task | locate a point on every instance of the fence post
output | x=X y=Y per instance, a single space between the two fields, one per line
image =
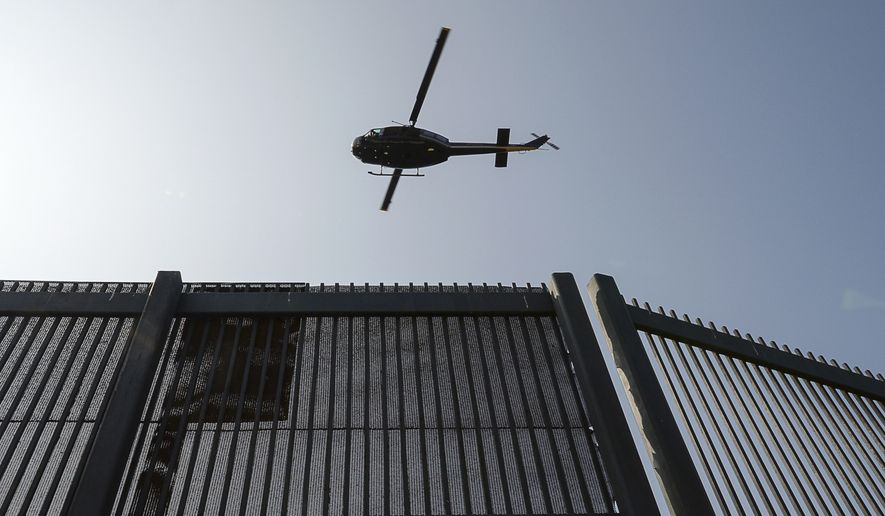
x=630 y=484
x=102 y=467
x=682 y=483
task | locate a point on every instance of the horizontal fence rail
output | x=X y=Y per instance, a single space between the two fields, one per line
x=770 y=429
x=737 y=346
x=297 y=399
x=283 y=303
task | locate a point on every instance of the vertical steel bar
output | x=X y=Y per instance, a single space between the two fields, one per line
x=741 y=371
x=712 y=414
x=584 y=496
x=522 y=476
x=204 y=407
x=293 y=412
x=81 y=420
x=856 y=424
x=671 y=371
x=12 y=343
x=59 y=425
x=403 y=449
x=143 y=488
x=156 y=395
x=872 y=407
x=842 y=445
x=271 y=453
x=870 y=432
x=330 y=420
x=715 y=416
x=311 y=417
x=256 y=422
x=348 y=413
x=113 y=436
x=811 y=478
x=434 y=370
x=826 y=476
x=26 y=350
x=222 y=408
x=26 y=382
x=7 y=322
x=778 y=484
x=238 y=417
x=422 y=418
x=496 y=433
x=385 y=433
x=824 y=436
x=485 y=496
x=367 y=420
x=860 y=450
x=531 y=428
x=35 y=439
x=536 y=385
x=681 y=481
x=459 y=421
x=816 y=438
x=730 y=417
x=583 y=421
x=181 y=430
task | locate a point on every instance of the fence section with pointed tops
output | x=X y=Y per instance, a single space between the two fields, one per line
x=770 y=429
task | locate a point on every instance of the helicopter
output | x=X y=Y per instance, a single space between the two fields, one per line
x=405 y=146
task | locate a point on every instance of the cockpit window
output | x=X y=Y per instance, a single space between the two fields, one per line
x=375 y=132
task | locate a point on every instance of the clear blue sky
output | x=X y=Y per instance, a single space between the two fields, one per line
x=723 y=159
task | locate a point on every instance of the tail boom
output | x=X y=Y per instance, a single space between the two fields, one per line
x=500 y=148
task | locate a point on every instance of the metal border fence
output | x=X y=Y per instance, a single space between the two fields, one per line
x=732 y=424
x=737 y=426
x=106 y=449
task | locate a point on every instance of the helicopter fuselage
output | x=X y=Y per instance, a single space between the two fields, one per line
x=408 y=147
x=401 y=147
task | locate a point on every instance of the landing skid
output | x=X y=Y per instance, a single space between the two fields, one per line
x=416 y=174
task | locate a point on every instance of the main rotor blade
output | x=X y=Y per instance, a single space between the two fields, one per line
x=390 y=188
x=428 y=75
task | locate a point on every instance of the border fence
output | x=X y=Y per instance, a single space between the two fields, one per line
x=175 y=398
x=737 y=425
x=288 y=398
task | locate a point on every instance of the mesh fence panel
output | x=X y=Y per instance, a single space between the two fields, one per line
x=305 y=415
x=55 y=373
x=364 y=415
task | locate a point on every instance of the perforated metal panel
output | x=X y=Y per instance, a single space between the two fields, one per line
x=365 y=415
x=54 y=376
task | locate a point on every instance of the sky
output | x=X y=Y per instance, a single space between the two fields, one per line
x=724 y=160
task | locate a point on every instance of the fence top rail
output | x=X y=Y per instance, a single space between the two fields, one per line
x=760 y=353
x=449 y=302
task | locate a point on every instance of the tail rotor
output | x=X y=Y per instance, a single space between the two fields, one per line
x=548 y=142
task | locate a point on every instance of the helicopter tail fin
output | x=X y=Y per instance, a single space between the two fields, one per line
x=537 y=142
x=503 y=140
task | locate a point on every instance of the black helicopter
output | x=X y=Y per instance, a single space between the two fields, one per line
x=407 y=147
